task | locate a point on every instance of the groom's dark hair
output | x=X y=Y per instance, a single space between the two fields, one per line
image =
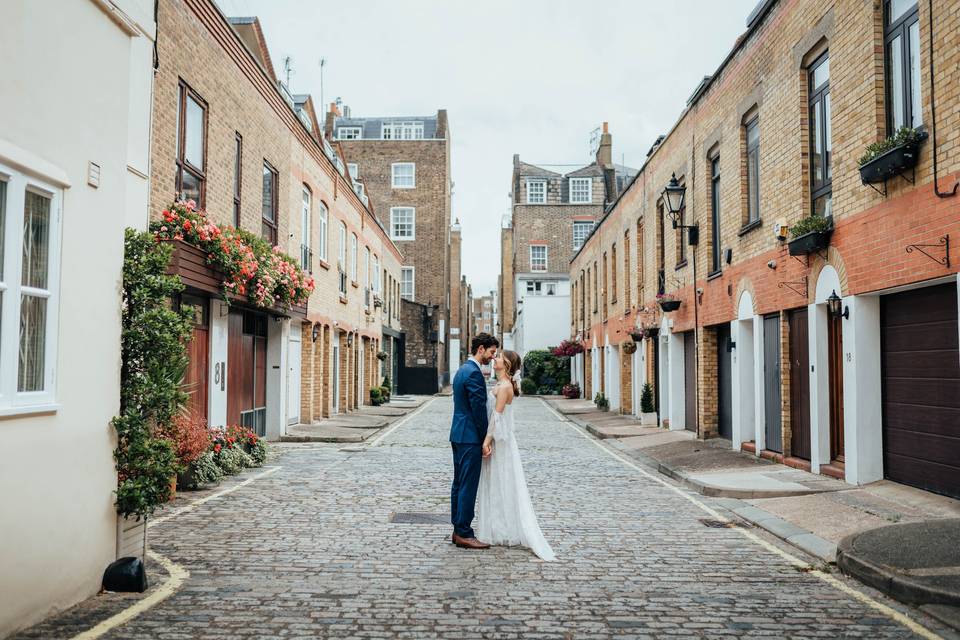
x=484 y=340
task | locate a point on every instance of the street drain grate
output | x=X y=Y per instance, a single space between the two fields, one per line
x=716 y=524
x=419 y=517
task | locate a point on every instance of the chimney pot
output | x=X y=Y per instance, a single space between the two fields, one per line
x=605 y=128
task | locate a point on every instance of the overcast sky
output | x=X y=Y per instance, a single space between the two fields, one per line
x=522 y=76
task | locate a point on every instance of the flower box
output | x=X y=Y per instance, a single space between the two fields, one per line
x=669 y=305
x=810 y=242
x=648 y=419
x=894 y=161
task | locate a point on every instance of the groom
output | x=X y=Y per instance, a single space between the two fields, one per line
x=467 y=432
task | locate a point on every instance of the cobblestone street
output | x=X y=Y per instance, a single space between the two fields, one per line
x=308 y=551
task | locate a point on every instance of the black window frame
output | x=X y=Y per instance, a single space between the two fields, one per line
x=183 y=165
x=900 y=28
x=268 y=226
x=237 y=177
x=753 y=158
x=714 y=213
x=819 y=97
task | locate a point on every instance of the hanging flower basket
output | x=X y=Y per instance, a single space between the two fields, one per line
x=629 y=347
x=638 y=335
x=667 y=302
x=381 y=355
x=891 y=157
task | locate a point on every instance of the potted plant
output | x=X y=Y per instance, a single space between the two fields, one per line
x=204 y=471
x=648 y=414
x=637 y=335
x=571 y=391
x=381 y=355
x=810 y=235
x=190 y=439
x=629 y=347
x=668 y=302
x=376 y=396
x=601 y=401
x=890 y=157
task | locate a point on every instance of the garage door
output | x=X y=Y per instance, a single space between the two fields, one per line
x=920 y=373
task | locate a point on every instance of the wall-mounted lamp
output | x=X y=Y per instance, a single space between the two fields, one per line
x=315 y=333
x=349 y=340
x=835 y=304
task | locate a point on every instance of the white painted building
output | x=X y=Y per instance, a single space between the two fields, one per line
x=74 y=167
x=543 y=312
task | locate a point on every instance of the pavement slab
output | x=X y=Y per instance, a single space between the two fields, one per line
x=310 y=551
x=326 y=433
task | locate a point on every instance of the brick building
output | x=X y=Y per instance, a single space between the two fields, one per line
x=228 y=134
x=551 y=215
x=482 y=315
x=841 y=355
x=403 y=165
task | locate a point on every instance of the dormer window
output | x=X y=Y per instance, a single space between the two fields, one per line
x=350 y=133
x=402 y=130
x=536 y=191
x=581 y=190
x=354 y=170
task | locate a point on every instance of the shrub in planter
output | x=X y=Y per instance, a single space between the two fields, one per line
x=376 y=396
x=547 y=371
x=810 y=234
x=202 y=471
x=601 y=401
x=232 y=460
x=648 y=413
x=528 y=387
x=189 y=437
x=381 y=355
x=887 y=158
x=385 y=394
x=258 y=452
x=571 y=391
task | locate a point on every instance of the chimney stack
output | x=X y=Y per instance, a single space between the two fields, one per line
x=605 y=149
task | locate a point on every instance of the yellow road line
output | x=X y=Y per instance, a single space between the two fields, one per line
x=177 y=577
x=886 y=610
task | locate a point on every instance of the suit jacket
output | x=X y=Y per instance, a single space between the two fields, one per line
x=469 y=405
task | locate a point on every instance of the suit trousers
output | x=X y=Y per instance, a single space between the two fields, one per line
x=463 y=493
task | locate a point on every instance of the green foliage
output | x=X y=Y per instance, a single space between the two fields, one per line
x=376 y=396
x=646 y=399
x=528 y=387
x=258 y=452
x=153 y=363
x=903 y=136
x=205 y=470
x=810 y=224
x=233 y=460
x=601 y=401
x=386 y=382
x=547 y=371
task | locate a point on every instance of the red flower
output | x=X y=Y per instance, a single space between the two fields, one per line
x=216 y=448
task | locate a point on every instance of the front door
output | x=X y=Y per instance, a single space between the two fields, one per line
x=336 y=373
x=247 y=371
x=799 y=385
x=195 y=381
x=771 y=383
x=835 y=361
x=724 y=385
x=690 y=380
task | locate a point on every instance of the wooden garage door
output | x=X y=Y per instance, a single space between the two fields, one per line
x=920 y=374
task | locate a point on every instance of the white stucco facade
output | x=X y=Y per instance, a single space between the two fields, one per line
x=76 y=132
x=543 y=315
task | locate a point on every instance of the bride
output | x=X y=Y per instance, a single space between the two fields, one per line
x=506 y=515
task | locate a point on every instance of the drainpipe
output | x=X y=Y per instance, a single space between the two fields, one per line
x=933 y=113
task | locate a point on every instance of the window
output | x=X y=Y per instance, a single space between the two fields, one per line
x=820 y=137
x=538 y=257
x=486 y=315
x=353 y=257
x=486 y=327
x=306 y=254
x=550 y=288
x=536 y=191
x=901 y=37
x=581 y=190
x=626 y=271
x=237 y=179
x=366 y=267
x=323 y=231
x=29 y=288
x=613 y=273
x=581 y=230
x=534 y=287
x=269 y=216
x=715 y=214
x=350 y=133
x=191 y=146
x=753 y=170
x=606 y=287
x=406 y=283
x=376 y=274
x=354 y=170
x=403 y=175
x=342 y=259
x=640 y=257
x=402 y=130
x=403 y=223
x=596 y=285
x=359 y=189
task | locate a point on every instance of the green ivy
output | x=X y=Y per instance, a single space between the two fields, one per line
x=153 y=363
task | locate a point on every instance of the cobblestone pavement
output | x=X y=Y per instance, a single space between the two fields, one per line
x=308 y=551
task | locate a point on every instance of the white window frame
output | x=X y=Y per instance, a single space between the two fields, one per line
x=324 y=219
x=413 y=282
x=412 y=130
x=366 y=262
x=376 y=273
x=12 y=401
x=393 y=223
x=342 y=260
x=350 y=133
x=580 y=181
x=353 y=257
x=534 y=287
x=398 y=181
x=359 y=189
x=530 y=199
x=306 y=226
x=546 y=263
x=354 y=169
x=581 y=223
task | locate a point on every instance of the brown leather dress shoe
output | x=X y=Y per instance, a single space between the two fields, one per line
x=469 y=543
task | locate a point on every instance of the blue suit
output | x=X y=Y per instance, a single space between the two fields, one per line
x=467 y=432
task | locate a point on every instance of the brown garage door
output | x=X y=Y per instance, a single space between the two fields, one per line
x=920 y=373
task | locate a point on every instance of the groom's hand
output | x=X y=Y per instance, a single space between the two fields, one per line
x=487 y=450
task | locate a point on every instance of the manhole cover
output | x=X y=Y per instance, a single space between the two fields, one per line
x=415 y=517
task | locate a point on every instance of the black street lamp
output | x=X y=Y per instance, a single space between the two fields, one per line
x=834 y=305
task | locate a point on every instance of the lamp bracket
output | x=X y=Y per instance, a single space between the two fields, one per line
x=943 y=243
x=795 y=286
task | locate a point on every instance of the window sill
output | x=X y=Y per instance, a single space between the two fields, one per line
x=405 y=188
x=325 y=264
x=343 y=299
x=713 y=275
x=403 y=239
x=747 y=228
x=354 y=284
x=680 y=265
x=29 y=410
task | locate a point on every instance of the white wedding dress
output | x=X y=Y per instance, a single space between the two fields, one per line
x=505 y=514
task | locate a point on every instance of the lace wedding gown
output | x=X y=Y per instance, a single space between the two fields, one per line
x=505 y=513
